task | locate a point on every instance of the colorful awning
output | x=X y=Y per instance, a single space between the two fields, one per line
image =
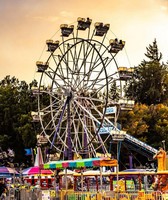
x=8 y=172
x=89 y=162
x=36 y=170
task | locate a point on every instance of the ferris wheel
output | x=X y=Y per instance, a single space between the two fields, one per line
x=75 y=77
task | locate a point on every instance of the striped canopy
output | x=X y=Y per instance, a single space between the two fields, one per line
x=89 y=162
x=36 y=171
x=8 y=172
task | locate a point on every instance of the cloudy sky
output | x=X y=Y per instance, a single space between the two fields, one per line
x=25 y=26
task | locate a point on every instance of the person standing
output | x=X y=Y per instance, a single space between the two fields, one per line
x=161 y=159
x=3 y=189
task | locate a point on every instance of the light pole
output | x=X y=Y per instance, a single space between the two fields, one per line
x=118 y=136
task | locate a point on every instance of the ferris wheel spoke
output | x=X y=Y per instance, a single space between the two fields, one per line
x=58 y=125
x=48 y=123
x=98 y=56
x=86 y=72
x=76 y=139
x=79 y=114
x=76 y=55
x=87 y=52
x=62 y=60
x=89 y=114
x=55 y=76
x=97 y=80
x=103 y=125
x=90 y=71
x=63 y=46
x=89 y=134
x=74 y=60
x=97 y=73
x=57 y=63
x=76 y=74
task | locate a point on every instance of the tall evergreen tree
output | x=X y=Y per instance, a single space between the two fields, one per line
x=149 y=84
x=114 y=93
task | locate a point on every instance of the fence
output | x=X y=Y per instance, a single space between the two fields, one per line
x=37 y=194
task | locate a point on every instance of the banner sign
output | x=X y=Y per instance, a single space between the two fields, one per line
x=106 y=130
x=111 y=110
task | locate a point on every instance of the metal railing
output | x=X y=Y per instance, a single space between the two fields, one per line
x=38 y=194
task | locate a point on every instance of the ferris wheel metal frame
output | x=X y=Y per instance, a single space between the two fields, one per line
x=73 y=91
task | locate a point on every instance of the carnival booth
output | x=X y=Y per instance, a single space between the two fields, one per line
x=81 y=165
x=36 y=176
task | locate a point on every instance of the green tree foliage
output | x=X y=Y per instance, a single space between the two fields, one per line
x=133 y=122
x=16 y=129
x=157 y=120
x=147 y=123
x=149 y=84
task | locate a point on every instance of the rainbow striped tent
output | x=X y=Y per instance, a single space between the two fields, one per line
x=89 y=162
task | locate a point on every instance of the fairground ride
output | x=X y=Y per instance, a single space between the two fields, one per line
x=73 y=94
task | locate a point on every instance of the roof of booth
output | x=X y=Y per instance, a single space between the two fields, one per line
x=89 y=162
